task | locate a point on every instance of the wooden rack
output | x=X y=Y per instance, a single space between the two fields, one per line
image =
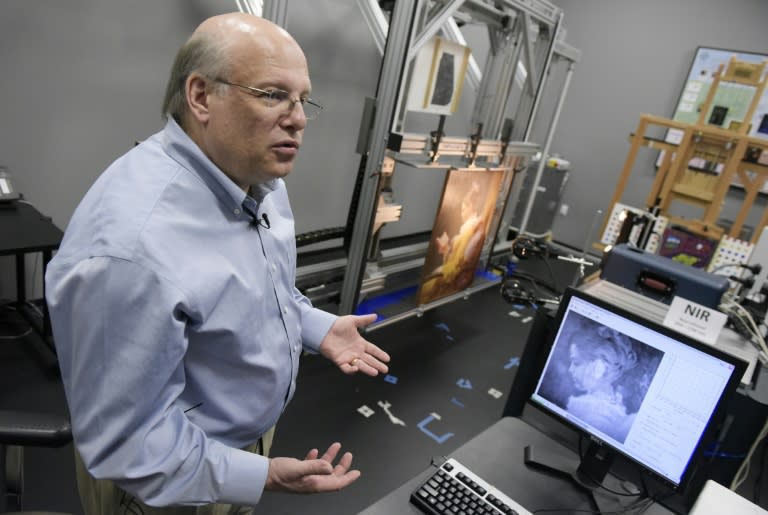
x=700 y=168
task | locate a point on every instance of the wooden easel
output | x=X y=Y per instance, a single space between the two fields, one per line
x=700 y=169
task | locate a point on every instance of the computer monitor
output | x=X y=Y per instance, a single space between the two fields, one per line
x=633 y=387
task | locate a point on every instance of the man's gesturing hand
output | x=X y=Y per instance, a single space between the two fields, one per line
x=350 y=351
x=312 y=474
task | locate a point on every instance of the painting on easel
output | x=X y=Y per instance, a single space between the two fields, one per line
x=461 y=227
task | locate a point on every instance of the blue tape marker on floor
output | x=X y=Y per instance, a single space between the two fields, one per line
x=513 y=362
x=464 y=383
x=457 y=402
x=390 y=379
x=444 y=327
x=423 y=426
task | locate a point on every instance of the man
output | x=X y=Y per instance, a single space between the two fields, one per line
x=172 y=298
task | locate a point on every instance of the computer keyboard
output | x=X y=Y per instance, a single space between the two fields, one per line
x=453 y=489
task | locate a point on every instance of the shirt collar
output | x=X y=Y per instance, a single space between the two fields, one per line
x=184 y=151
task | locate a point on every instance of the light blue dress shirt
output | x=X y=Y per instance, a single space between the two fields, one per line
x=178 y=325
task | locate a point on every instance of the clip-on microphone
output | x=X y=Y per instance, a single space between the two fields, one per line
x=255 y=220
x=263 y=222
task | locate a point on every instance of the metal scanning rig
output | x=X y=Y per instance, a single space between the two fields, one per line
x=526 y=43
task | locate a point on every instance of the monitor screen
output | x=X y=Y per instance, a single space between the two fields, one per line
x=633 y=385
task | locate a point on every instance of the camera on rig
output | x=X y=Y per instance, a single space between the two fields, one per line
x=513 y=292
x=525 y=247
x=513 y=287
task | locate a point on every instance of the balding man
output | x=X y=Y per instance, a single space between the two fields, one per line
x=175 y=313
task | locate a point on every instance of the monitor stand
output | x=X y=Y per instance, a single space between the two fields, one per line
x=590 y=473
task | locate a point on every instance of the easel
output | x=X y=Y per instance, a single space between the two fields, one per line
x=700 y=168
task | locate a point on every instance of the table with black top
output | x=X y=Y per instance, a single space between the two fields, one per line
x=24 y=230
x=497 y=455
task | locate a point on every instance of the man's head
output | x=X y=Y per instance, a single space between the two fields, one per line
x=213 y=93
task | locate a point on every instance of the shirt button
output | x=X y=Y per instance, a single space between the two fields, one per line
x=274 y=267
x=285 y=310
x=237 y=211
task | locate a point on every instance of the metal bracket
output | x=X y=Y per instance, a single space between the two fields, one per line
x=506 y=137
x=474 y=142
x=434 y=140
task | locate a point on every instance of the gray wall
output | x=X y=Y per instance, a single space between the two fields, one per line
x=83 y=80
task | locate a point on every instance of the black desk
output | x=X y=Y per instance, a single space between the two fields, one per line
x=496 y=454
x=24 y=230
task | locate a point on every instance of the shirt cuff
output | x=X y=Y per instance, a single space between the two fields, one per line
x=315 y=324
x=245 y=477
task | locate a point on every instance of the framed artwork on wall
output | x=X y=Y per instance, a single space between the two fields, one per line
x=731 y=101
x=438 y=77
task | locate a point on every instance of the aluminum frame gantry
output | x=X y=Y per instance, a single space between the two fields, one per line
x=526 y=38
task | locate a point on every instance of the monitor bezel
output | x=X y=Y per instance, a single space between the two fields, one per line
x=730 y=388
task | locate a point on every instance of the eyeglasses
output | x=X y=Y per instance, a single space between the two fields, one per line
x=279 y=100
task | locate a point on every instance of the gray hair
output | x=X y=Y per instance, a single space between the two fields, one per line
x=202 y=53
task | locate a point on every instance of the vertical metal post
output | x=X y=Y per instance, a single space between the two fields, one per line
x=387 y=93
x=543 y=79
x=495 y=118
x=250 y=7
x=276 y=11
x=500 y=67
x=419 y=19
x=545 y=150
x=376 y=22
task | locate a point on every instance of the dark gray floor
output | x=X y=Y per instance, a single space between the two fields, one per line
x=435 y=359
x=444 y=365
